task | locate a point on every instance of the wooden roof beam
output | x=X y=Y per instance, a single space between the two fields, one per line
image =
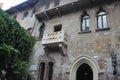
x=90 y=3
x=59 y=12
x=47 y=16
x=74 y=7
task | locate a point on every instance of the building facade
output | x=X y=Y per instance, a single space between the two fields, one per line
x=76 y=39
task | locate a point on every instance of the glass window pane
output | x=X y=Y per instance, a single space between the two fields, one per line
x=50 y=71
x=99 y=22
x=87 y=24
x=104 y=21
x=42 y=68
x=86 y=17
x=83 y=25
x=101 y=13
x=56 y=2
x=41 y=30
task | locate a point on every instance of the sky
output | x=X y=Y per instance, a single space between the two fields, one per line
x=10 y=3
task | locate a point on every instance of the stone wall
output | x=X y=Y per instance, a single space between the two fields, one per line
x=96 y=44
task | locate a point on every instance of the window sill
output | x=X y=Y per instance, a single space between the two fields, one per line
x=103 y=29
x=82 y=32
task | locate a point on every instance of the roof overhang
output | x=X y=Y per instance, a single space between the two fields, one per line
x=22 y=6
x=69 y=7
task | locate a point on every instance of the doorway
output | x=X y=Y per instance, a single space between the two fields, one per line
x=84 y=67
x=84 y=72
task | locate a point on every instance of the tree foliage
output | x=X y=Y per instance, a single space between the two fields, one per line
x=15 y=46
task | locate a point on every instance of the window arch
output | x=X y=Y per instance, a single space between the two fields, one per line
x=30 y=30
x=50 y=71
x=85 y=26
x=41 y=30
x=101 y=19
x=56 y=2
x=33 y=12
x=25 y=14
x=42 y=71
x=46 y=68
x=15 y=16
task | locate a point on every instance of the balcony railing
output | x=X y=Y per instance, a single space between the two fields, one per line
x=54 y=38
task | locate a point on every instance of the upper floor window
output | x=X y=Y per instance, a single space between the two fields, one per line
x=41 y=30
x=57 y=28
x=30 y=30
x=15 y=16
x=85 y=26
x=25 y=14
x=56 y=2
x=47 y=4
x=101 y=19
x=33 y=12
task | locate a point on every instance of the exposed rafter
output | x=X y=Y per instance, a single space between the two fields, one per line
x=59 y=12
x=47 y=16
x=70 y=7
x=90 y=3
x=74 y=7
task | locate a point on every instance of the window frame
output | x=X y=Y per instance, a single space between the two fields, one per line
x=84 y=24
x=47 y=5
x=45 y=74
x=15 y=16
x=33 y=12
x=59 y=26
x=41 y=30
x=103 y=24
x=49 y=71
x=40 y=69
x=30 y=30
x=56 y=3
x=25 y=14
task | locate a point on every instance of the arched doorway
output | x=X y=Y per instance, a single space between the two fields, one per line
x=84 y=72
x=84 y=63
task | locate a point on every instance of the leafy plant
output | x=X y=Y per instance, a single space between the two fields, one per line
x=15 y=45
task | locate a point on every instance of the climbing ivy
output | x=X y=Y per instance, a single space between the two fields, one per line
x=15 y=45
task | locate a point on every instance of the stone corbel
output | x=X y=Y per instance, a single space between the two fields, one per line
x=46 y=51
x=63 y=49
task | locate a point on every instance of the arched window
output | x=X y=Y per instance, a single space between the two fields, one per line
x=41 y=30
x=50 y=71
x=42 y=70
x=33 y=12
x=15 y=16
x=47 y=4
x=25 y=14
x=101 y=19
x=85 y=26
x=56 y=2
x=30 y=30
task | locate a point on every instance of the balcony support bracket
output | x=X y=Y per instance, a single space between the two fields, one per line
x=63 y=49
x=46 y=50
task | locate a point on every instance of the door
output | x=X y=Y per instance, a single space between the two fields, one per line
x=84 y=72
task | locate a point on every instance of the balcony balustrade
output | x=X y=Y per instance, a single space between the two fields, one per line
x=55 y=40
x=52 y=39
